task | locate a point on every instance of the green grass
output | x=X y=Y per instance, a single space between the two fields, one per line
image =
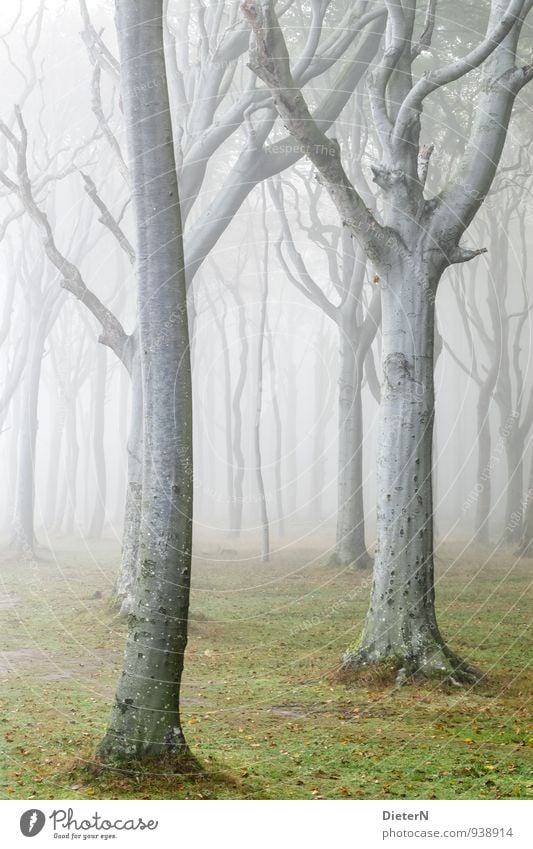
x=262 y=711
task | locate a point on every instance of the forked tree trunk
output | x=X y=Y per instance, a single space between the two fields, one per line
x=145 y=721
x=401 y=626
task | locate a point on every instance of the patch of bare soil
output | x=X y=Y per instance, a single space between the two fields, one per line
x=41 y=665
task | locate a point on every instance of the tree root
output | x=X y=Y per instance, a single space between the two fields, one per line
x=439 y=663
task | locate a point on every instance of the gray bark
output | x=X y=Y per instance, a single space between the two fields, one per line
x=123 y=594
x=145 y=721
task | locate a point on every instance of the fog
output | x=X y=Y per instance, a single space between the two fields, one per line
x=259 y=280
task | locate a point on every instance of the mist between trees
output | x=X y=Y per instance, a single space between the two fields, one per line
x=265 y=267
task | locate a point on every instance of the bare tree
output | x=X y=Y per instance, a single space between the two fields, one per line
x=357 y=327
x=419 y=239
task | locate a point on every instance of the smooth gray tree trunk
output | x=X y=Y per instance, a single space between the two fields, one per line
x=401 y=625
x=123 y=594
x=145 y=721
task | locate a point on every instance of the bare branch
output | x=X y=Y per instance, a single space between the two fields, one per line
x=113 y=334
x=107 y=219
x=426 y=35
x=412 y=105
x=269 y=59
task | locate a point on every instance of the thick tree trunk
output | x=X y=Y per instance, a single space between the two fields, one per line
x=123 y=595
x=145 y=722
x=401 y=625
x=350 y=547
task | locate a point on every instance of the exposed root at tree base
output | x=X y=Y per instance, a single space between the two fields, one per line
x=443 y=666
x=148 y=779
x=167 y=763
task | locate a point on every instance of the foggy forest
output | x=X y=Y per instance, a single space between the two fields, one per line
x=266 y=402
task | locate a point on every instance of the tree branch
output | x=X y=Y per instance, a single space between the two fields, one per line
x=269 y=59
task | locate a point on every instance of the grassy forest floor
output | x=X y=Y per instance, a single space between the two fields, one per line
x=261 y=709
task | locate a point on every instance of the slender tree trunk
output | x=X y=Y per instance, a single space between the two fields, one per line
x=50 y=507
x=278 y=433
x=291 y=439
x=71 y=464
x=350 y=548
x=238 y=454
x=514 y=450
x=24 y=508
x=145 y=722
x=263 y=512
x=525 y=548
x=484 y=443
x=228 y=423
x=401 y=625
x=99 y=513
x=324 y=404
x=318 y=472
